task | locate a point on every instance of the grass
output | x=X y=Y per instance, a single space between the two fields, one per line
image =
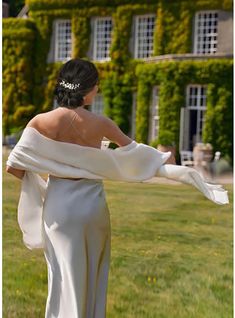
x=171 y=257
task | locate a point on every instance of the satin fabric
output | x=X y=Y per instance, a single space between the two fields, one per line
x=134 y=162
x=77 y=236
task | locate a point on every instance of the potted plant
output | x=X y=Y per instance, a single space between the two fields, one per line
x=202 y=153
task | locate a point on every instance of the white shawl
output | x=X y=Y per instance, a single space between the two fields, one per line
x=134 y=162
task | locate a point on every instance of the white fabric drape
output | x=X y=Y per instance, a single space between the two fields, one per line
x=134 y=162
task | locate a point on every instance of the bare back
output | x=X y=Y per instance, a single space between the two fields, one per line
x=84 y=128
x=80 y=127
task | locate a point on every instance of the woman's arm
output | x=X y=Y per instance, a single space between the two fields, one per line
x=111 y=131
x=15 y=172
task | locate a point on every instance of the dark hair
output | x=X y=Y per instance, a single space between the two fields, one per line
x=75 y=71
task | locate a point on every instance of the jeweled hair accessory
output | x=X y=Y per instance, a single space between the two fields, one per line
x=69 y=85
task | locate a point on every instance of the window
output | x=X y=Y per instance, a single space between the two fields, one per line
x=196 y=104
x=206 y=32
x=63 y=40
x=102 y=38
x=144 y=29
x=97 y=106
x=155 y=113
x=196 y=97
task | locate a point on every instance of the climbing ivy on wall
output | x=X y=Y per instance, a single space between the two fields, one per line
x=177 y=36
x=173 y=28
x=18 y=54
x=172 y=79
x=219 y=119
x=45 y=74
x=72 y=4
x=27 y=43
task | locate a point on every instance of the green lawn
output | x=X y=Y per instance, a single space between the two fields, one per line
x=172 y=255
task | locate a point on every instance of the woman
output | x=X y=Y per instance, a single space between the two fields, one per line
x=78 y=248
x=76 y=220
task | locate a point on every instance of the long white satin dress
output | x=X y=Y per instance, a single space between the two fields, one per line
x=76 y=221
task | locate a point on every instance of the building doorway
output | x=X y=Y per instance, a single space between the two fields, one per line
x=192 y=117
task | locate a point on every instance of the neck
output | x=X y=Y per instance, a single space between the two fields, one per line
x=75 y=108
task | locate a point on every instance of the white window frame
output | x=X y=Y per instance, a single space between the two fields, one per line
x=97 y=106
x=106 y=49
x=200 y=107
x=197 y=34
x=56 y=53
x=137 y=52
x=155 y=118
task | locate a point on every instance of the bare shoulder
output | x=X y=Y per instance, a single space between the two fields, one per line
x=34 y=121
x=104 y=119
x=38 y=119
x=106 y=124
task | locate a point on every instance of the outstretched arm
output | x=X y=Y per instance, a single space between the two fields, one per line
x=111 y=131
x=213 y=192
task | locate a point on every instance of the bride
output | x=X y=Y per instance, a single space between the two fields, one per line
x=68 y=215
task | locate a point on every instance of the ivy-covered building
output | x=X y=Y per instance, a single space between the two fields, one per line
x=165 y=66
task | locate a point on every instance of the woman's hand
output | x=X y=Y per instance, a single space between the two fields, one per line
x=15 y=172
x=171 y=160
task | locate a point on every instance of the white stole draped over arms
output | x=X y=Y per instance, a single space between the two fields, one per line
x=134 y=162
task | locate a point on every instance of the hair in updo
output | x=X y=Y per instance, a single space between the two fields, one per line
x=75 y=71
